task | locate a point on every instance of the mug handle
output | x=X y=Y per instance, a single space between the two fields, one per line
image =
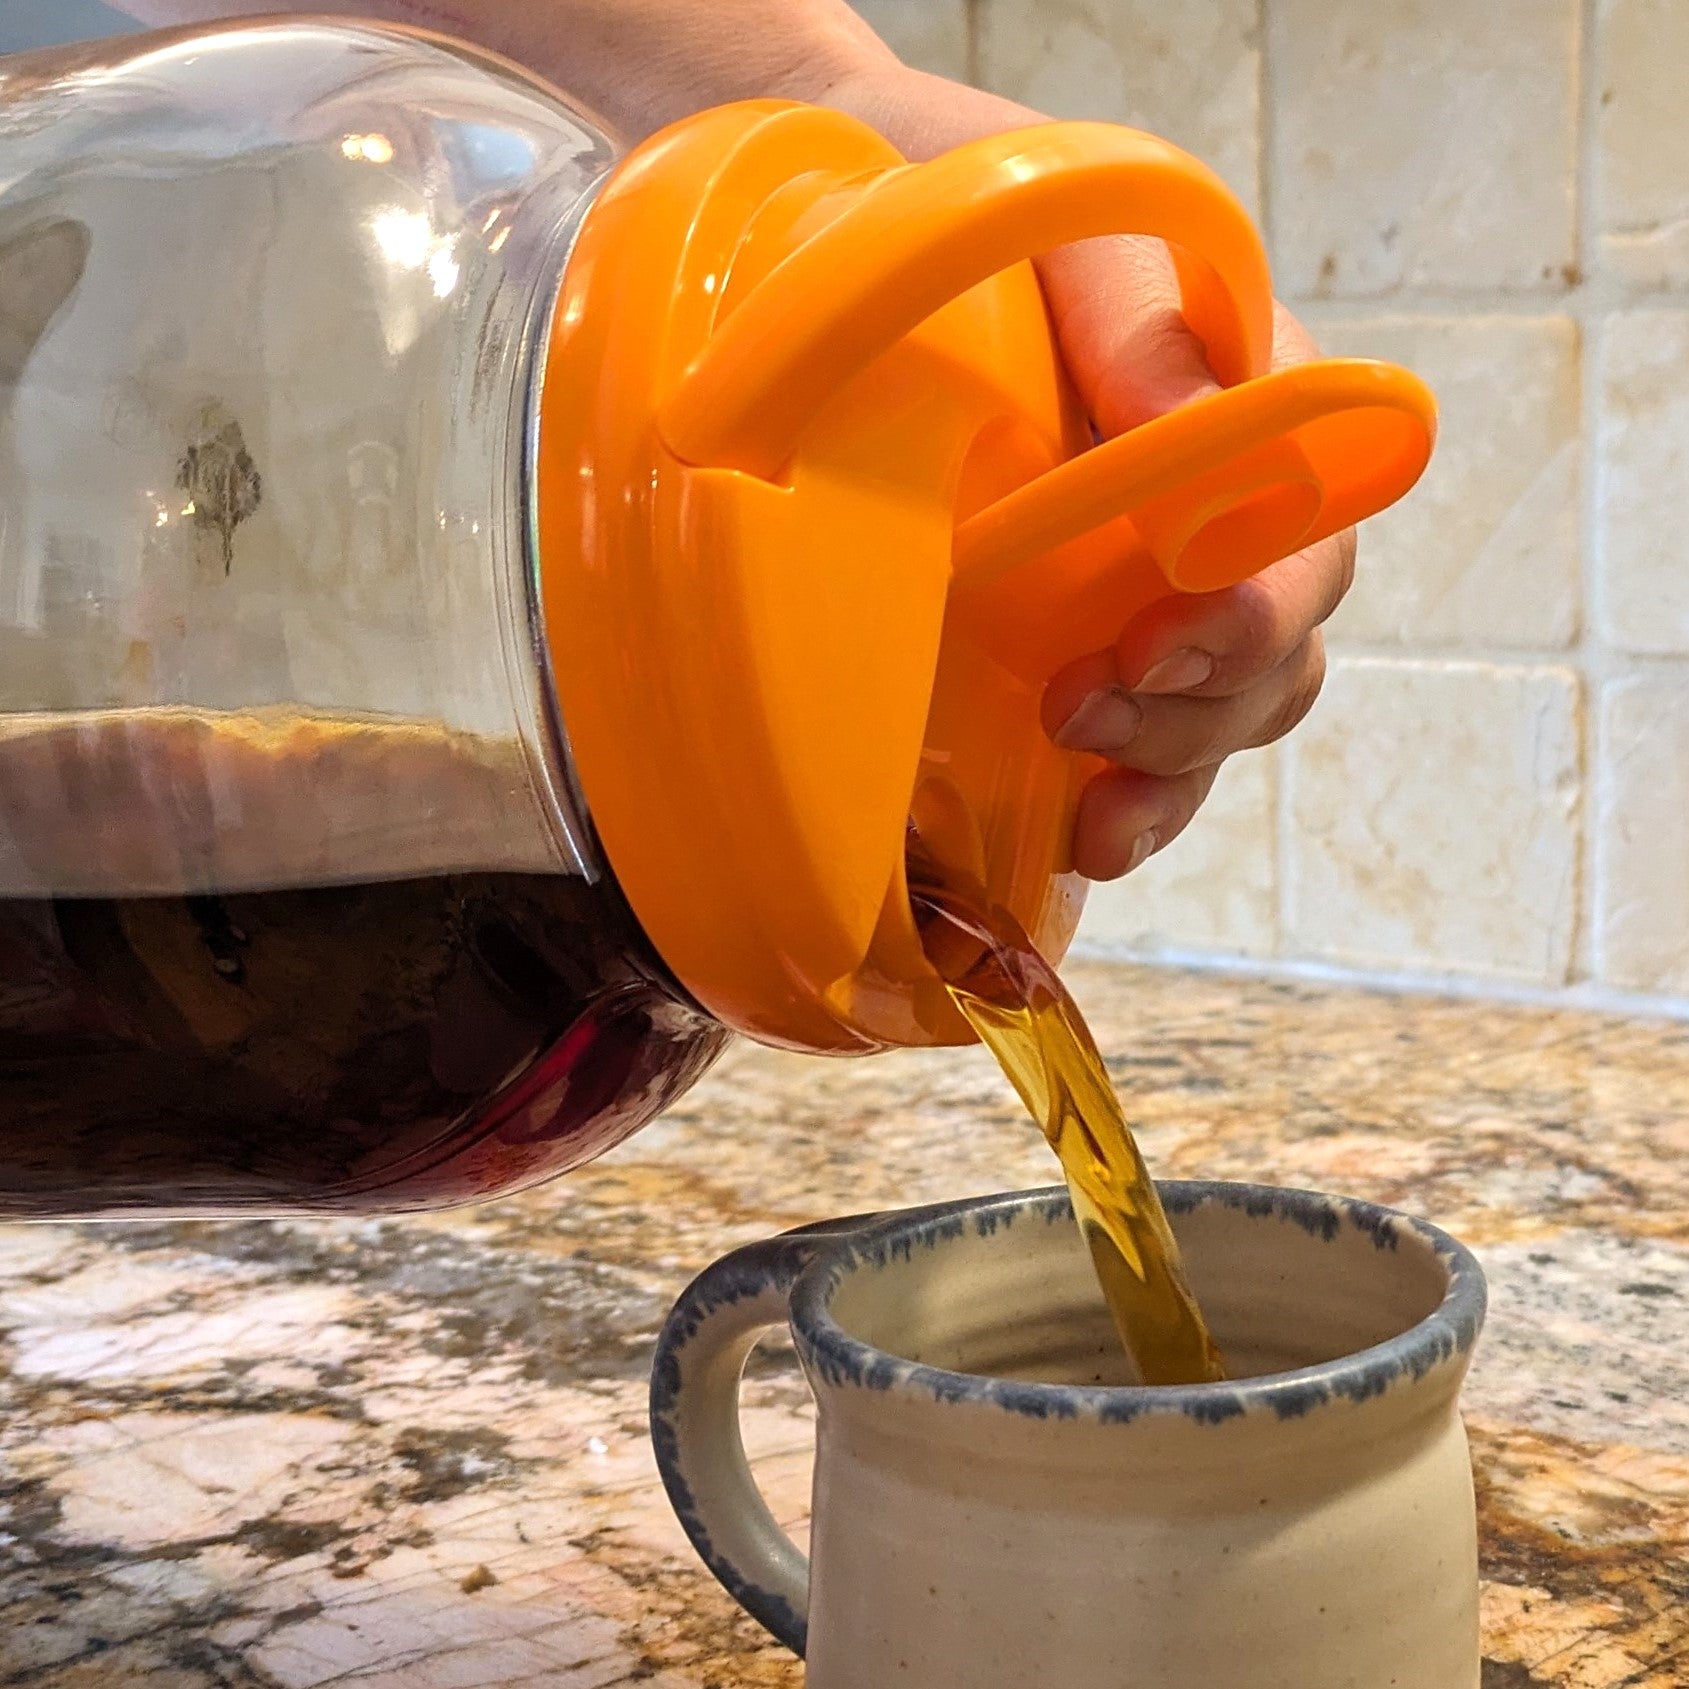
x=700 y=1357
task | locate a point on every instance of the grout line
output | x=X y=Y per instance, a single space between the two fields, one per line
x=1591 y=652
x=1601 y=663
x=970 y=39
x=1584 y=996
x=1282 y=762
x=1587 y=301
x=1265 y=132
x=1457 y=655
x=1584 y=208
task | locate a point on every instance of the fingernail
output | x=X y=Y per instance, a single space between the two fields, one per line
x=1104 y=721
x=1178 y=673
x=1142 y=848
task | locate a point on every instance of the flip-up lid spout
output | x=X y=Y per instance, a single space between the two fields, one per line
x=819 y=517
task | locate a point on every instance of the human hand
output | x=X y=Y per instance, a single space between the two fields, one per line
x=1196 y=677
x=1193 y=679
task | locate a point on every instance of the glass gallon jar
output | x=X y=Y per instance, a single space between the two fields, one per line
x=479 y=613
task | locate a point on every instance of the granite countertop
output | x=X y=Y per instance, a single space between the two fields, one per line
x=412 y=1451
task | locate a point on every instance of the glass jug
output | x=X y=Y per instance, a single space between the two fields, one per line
x=294 y=877
x=382 y=614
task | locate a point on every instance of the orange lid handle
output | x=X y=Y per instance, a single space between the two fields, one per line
x=783 y=365
x=1213 y=492
x=922 y=236
x=1386 y=413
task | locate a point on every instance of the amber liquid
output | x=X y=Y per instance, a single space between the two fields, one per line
x=1023 y=1014
x=385 y=1046
x=403 y=1040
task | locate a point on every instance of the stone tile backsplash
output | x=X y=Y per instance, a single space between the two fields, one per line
x=1217 y=888
x=1485 y=553
x=1642 y=480
x=1495 y=785
x=1421 y=145
x=1433 y=809
x=936 y=36
x=1641 y=892
x=1190 y=72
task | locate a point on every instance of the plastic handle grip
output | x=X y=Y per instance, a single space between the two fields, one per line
x=1243 y=428
x=922 y=236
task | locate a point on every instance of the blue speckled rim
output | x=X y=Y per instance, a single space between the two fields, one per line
x=1445 y=1335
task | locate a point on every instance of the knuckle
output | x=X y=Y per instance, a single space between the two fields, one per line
x=1216 y=741
x=1334 y=560
x=1190 y=795
x=1207 y=733
x=1300 y=697
x=1259 y=631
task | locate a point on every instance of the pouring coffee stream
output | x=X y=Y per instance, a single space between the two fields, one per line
x=1024 y=1015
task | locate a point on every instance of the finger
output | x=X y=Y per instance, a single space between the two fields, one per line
x=1093 y=682
x=1115 y=303
x=1292 y=343
x=1175 y=735
x=1120 y=319
x=1214 y=644
x=1209 y=645
x=1125 y=817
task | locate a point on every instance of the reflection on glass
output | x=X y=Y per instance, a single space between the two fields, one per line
x=405 y=237
x=40 y=266
x=269 y=306
x=443 y=269
x=371 y=149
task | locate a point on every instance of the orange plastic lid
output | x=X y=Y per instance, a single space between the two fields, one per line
x=819 y=517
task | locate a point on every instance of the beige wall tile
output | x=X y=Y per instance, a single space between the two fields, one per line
x=1215 y=887
x=1642 y=140
x=1642 y=479
x=1642 y=848
x=929 y=34
x=1421 y=143
x=1484 y=551
x=1434 y=819
x=1188 y=71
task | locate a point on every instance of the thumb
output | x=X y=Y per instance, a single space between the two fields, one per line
x=1114 y=301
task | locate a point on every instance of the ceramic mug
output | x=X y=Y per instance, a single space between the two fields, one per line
x=995 y=1507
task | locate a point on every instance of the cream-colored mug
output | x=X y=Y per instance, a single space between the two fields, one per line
x=994 y=1509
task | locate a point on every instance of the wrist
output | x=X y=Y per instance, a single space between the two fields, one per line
x=643 y=64
x=638 y=64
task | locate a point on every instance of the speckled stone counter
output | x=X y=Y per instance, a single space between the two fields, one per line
x=412 y=1452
